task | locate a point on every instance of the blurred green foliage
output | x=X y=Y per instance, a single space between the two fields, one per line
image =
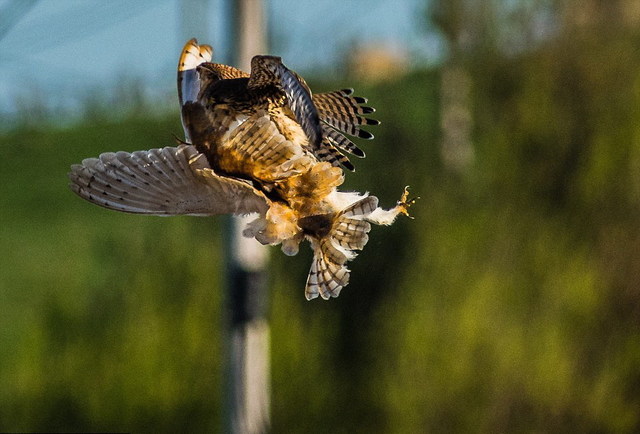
x=511 y=303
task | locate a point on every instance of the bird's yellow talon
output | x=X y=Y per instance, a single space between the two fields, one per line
x=404 y=203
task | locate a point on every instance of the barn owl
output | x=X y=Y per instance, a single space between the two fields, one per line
x=254 y=143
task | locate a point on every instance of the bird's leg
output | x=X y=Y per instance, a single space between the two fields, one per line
x=386 y=217
x=404 y=203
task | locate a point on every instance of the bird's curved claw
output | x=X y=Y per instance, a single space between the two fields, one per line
x=179 y=141
x=404 y=203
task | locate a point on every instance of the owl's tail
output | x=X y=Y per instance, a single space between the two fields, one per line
x=348 y=233
x=341 y=240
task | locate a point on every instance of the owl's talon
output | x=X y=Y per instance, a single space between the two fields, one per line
x=404 y=203
x=179 y=141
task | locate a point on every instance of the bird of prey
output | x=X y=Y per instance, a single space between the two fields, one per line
x=255 y=143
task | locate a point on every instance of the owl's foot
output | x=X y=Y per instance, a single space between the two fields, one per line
x=404 y=203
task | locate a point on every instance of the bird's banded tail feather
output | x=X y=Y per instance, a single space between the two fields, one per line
x=326 y=279
x=361 y=208
x=350 y=229
x=349 y=232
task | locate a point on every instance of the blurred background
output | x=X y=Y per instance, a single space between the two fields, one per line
x=510 y=304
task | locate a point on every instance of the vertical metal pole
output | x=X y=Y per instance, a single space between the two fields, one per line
x=250 y=31
x=247 y=375
x=247 y=391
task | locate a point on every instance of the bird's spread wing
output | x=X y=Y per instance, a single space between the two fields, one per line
x=167 y=181
x=270 y=71
x=341 y=113
x=257 y=149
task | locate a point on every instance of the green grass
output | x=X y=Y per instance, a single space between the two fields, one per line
x=108 y=321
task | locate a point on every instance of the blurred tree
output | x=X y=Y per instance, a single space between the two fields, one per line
x=521 y=312
x=455 y=115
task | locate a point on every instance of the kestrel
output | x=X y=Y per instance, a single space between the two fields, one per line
x=255 y=143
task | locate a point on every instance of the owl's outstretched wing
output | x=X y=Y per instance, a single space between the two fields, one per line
x=325 y=118
x=167 y=181
x=342 y=113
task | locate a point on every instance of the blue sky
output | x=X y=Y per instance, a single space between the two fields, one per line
x=61 y=49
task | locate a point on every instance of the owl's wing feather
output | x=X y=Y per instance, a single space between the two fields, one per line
x=343 y=111
x=338 y=140
x=218 y=71
x=191 y=56
x=340 y=113
x=167 y=181
x=269 y=70
x=189 y=83
x=328 y=152
x=258 y=149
